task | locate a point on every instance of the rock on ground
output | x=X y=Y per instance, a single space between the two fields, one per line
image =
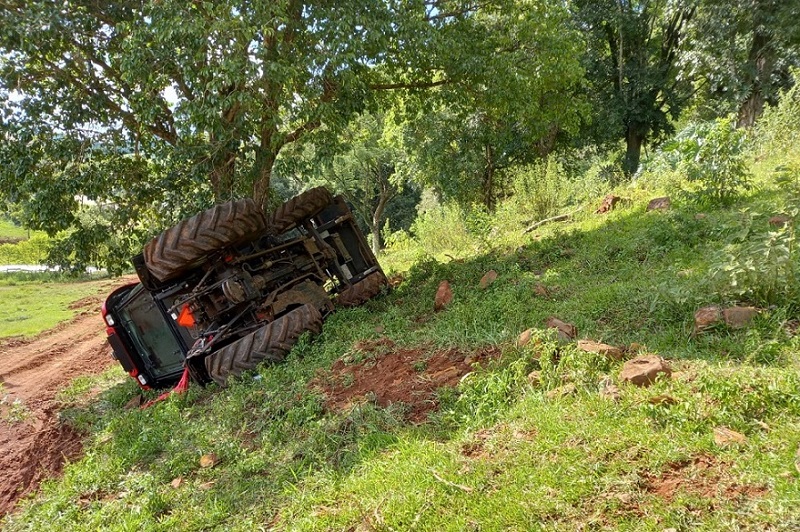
x=566 y=331
x=659 y=204
x=643 y=370
x=608 y=204
x=444 y=296
x=739 y=317
x=589 y=346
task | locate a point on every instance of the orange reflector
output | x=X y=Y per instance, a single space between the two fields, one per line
x=186 y=319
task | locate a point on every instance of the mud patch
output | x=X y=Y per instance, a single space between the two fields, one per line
x=34 y=444
x=701 y=476
x=31 y=452
x=380 y=373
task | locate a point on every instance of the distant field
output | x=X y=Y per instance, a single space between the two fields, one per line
x=28 y=307
x=10 y=232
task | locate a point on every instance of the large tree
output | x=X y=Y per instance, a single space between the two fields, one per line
x=464 y=144
x=743 y=51
x=633 y=64
x=227 y=85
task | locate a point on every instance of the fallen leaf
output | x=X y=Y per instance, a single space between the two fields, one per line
x=488 y=278
x=524 y=337
x=209 y=460
x=724 y=436
x=662 y=400
x=176 y=482
x=562 y=391
x=207 y=485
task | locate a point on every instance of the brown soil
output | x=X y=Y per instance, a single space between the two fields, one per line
x=34 y=444
x=703 y=476
x=387 y=375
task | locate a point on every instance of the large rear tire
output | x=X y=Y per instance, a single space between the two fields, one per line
x=270 y=343
x=309 y=203
x=362 y=291
x=189 y=243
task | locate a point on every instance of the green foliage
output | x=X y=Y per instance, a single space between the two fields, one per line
x=32 y=251
x=759 y=265
x=631 y=59
x=712 y=155
x=743 y=51
x=776 y=131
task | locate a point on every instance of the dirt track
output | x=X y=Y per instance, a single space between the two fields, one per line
x=33 y=372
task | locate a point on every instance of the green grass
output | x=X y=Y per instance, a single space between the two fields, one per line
x=10 y=231
x=500 y=453
x=32 y=303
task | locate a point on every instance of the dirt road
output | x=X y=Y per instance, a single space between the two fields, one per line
x=33 y=443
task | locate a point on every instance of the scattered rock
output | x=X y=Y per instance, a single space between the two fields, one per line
x=562 y=391
x=524 y=338
x=535 y=378
x=135 y=402
x=608 y=204
x=209 y=460
x=659 y=204
x=589 y=346
x=643 y=370
x=566 y=331
x=706 y=317
x=176 y=482
x=739 y=317
x=723 y=436
x=487 y=279
x=444 y=295
x=664 y=400
x=541 y=290
x=780 y=220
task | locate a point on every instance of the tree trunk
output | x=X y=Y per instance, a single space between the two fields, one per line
x=223 y=168
x=634 y=139
x=488 y=180
x=265 y=160
x=377 y=218
x=759 y=61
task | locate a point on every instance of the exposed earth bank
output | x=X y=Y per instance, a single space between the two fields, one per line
x=34 y=443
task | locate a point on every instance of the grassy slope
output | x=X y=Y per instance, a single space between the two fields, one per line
x=533 y=461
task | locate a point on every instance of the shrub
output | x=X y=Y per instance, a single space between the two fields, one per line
x=712 y=156
x=759 y=266
x=538 y=188
x=32 y=251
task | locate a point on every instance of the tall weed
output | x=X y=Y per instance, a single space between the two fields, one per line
x=538 y=188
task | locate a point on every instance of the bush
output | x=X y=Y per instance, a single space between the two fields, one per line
x=538 y=188
x=712 y=156
x=776 y=130
x=32 y=251
x=759 y=266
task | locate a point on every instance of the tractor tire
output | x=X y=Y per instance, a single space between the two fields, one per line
x=362 y=291
x=270 y=343
x=297 y=209
x=187 y=244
